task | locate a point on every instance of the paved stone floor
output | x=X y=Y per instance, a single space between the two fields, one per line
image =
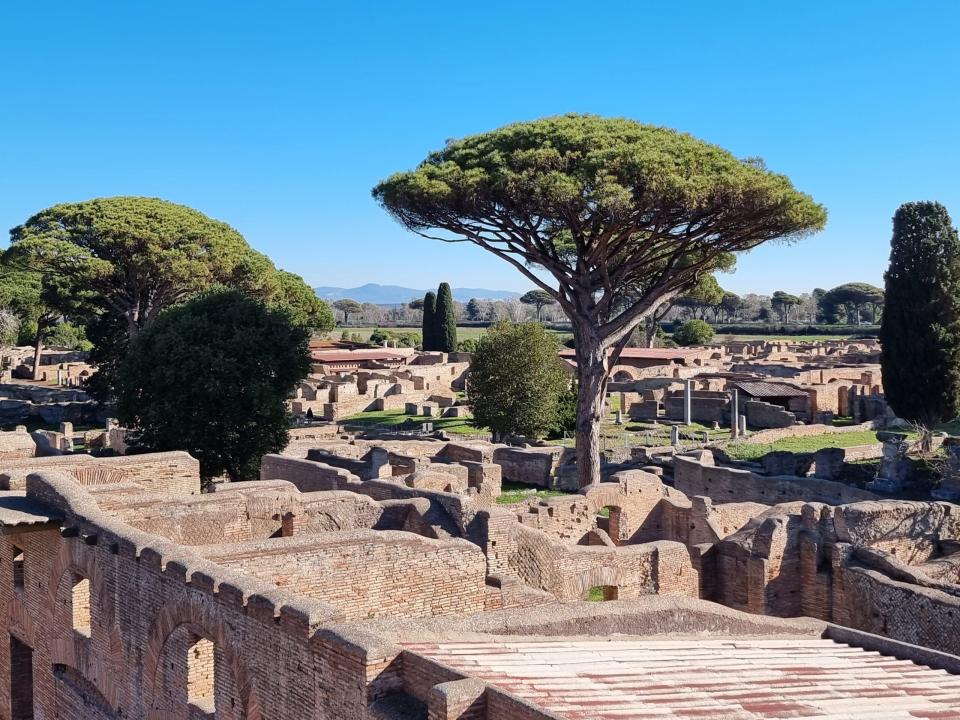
x=742 y=679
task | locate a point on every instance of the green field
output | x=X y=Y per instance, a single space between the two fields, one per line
x=808 y=444
x=397 y=418
x=512 y=493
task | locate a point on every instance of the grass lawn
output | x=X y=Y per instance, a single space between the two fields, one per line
x=809 y=443
x=397 y=418
x=512 y=493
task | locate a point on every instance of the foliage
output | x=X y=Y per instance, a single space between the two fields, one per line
x=920 y=331
x=430 y=321
x=302 y=303
x=850 y=299
x=403 y=339
x=9 y=327
x=211 y=376
x=446 y=320
x=705 y=294
x=467 y=346
x=539 y=299
x=348 y=307
x=566 y=420
x=781 y=302
x=623 y=216
x=516 y=379
x=67 y=335
x=693 y=332
x=474 y=310
x=135 y=256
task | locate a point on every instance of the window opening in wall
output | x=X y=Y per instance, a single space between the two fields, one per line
x=600 y=593
x=201 y=674
x=18 y=567
x=80 y=602
x=21 y=680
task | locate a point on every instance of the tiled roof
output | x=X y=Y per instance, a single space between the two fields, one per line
x=649 y=353
x=730 y=678
x=340 y=356
x=770 y=389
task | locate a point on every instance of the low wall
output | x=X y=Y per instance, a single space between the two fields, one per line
x=171 y=472
x=570 y=571
x=723 y=484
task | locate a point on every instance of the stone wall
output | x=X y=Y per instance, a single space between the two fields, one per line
x=172 y=472
x=766 y=415
x=570 y=571
x=725 y=484
x=365 y=573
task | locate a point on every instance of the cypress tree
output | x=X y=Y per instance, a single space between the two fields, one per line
x=446 y=320
x=920 y=330
x=429 y=321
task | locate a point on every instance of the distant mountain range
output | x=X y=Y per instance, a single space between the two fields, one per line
x=396 y=295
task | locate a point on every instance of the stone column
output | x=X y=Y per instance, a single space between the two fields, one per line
x=735 y=414
x=687 y=392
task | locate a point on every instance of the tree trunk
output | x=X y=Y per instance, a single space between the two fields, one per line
x=592 y=375
x=38 y=349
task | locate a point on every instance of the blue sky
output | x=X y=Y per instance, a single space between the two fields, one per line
x=279 y=117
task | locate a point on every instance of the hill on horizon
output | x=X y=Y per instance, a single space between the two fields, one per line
x=398 y=295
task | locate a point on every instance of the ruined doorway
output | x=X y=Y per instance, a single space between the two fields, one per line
x=602 y=593
x=21 y=680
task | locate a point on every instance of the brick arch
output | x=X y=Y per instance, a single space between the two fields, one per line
x=203 y=622
x=617 y=373
x=79 y=559
x=76 y=558
x=601 y=575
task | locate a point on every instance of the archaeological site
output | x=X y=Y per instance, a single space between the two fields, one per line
x=479 y=361
x=387 y=574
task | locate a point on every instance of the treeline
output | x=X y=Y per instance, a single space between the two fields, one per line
x=852 y=303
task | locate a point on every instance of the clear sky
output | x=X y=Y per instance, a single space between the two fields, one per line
x=278 y=117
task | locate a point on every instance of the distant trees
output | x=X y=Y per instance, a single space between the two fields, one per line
x=474 y=310
x=429 y=323
x=693 y=332
x=539 y=299
x=211 y=376
x=706 y=294
x=782 y=302
x=446 y=320
x=622 y=216
x=516 y=380
x=348 y=307
x=440 y=320
x=851 y=299
x=920 y=330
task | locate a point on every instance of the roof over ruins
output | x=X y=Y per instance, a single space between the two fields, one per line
x=19 y=514
x=649 y=353
x=742 y=678
x=340 y=356
x=769 y=389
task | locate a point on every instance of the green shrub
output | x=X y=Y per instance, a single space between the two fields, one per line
x=693 y=332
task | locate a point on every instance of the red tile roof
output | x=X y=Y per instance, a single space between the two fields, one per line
x=730 y=678
x=344 y=356
x=649 y=353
